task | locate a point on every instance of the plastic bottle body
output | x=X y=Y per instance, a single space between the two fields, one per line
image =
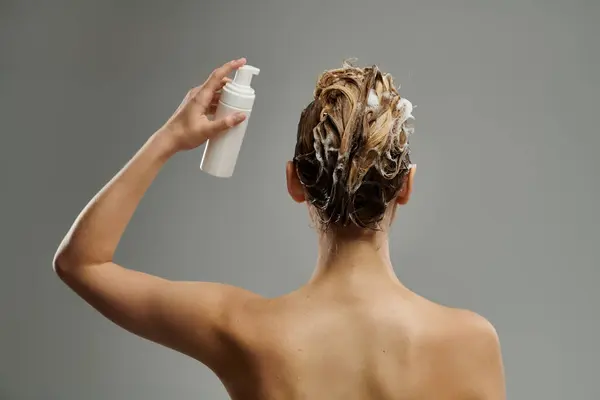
x=221 y=152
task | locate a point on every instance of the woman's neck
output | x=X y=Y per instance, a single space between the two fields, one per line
x=354 y=257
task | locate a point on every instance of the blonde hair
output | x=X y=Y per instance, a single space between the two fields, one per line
x=352 y=150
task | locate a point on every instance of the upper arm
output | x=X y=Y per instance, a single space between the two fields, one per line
x=190 y=317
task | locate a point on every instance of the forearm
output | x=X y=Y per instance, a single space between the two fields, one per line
x=96 y=232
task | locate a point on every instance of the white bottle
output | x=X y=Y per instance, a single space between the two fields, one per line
x=221 y=152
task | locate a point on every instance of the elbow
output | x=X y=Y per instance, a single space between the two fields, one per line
x=62 y=262
x=67 y=260
x=71 y=258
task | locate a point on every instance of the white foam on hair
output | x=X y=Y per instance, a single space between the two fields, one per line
x=401 y=125
x=373 y=99
x=406 y=107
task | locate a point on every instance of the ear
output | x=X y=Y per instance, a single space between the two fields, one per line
x=294 y=186
x=406 y=190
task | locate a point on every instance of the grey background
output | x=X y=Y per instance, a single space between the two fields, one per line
x=504 y=217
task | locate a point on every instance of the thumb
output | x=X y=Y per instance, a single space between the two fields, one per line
x=222 y=124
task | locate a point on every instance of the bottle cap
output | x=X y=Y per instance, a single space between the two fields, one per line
x=243 y=76
x=238 y=93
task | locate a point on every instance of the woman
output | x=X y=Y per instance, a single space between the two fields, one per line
x=353 y=331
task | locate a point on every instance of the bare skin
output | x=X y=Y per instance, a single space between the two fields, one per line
x=352 y=332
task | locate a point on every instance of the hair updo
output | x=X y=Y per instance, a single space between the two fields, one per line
x=352 y=152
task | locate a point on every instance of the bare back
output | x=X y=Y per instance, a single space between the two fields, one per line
x=329 y=343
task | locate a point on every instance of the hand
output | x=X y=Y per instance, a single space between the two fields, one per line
x=189 y=126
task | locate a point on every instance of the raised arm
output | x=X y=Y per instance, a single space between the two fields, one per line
x=186 y=316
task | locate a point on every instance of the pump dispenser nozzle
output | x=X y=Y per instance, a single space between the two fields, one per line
x=243 y=76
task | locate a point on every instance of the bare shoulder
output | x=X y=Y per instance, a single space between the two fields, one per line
x=471 y=346
x=475 y=329
x=479 y=341
x=459 y=324
x=244 y=310
x=238 y=303
x=464 y=331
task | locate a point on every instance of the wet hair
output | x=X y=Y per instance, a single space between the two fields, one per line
x=352 y=153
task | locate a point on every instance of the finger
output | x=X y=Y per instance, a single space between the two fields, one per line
x=222 y=124
x=195 y=95
x=225 y=81
x=215 y=83
x=212 y=109
x=193 y=92
x=217 y=93
x=215 y=79
x=214 y=103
